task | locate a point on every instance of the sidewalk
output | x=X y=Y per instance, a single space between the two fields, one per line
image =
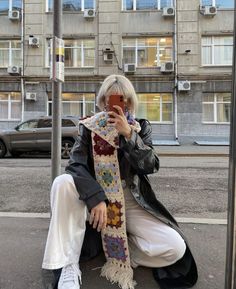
x=23 y=239
x=192 y=150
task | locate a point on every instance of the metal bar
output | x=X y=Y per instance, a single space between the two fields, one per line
x=22 y=59
x=230 y=270
x=176 y=72
x=56 y=95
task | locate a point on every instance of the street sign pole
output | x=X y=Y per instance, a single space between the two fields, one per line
x=230 y=269
x=57 y=77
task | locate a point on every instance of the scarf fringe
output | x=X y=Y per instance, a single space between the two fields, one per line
x=119 y=273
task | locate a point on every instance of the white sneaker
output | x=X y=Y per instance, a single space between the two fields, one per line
x=69 y=277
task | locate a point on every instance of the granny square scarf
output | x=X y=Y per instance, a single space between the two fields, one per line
x=114 y=238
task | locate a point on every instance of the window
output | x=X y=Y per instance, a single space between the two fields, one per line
x=217 y=50
x=72 y=5
x=45 y=123
x=146 y=4
x=147 y=52
x=216 y=108
x=10 y=106
x=76 y=104
x=67 y=123
x=156 y=107
x=30 y=124
x=78 y=53
x=10 y=53
x=6 y=5
x=219 y=3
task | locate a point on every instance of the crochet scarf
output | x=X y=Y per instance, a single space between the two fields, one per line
x=114 y=238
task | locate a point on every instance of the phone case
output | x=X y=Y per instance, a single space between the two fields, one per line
x=116 y=99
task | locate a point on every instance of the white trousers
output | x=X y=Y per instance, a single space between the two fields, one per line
x=151 y=242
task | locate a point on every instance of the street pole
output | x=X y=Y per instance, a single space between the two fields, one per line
x=56 y=94
x=230 y=269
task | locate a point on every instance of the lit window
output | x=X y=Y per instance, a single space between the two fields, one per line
x=146 y=4
x=10 y=53
x=73 y=5
x=155 y=107
x=6 y=5
x=75 y=104
x=217 y=50
x=147 y=52
x=216 y=108
x=10 y=106
x=78 y=53
x=218 y=3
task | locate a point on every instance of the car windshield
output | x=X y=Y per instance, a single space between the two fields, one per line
x=28 y=125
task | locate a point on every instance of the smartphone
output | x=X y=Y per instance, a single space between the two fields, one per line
x=116 y=99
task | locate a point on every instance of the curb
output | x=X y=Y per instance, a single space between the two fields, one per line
x=191 y=155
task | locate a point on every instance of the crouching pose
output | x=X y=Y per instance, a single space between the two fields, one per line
x=106 y=183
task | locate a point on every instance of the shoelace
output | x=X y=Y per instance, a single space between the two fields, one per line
x=70 y=271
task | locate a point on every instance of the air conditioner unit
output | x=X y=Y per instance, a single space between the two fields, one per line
x=108 y=55
x=209 y=10
x=14 y=15
x=14 y=70
x=184 y=85
x=34 y=41
x=167 y=66
x=89 y=13
x=168 y=11
x=129 y=67
x=31 y=96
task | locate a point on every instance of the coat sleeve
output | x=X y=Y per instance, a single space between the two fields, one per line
x=139 y=150
x=88 y=188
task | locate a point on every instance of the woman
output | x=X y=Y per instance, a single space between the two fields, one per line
x=106 y=181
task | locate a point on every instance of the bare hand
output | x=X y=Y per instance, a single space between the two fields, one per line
x=98 y=216
x=120 y=122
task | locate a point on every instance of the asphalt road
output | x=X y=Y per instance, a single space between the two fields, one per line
x=188 y=186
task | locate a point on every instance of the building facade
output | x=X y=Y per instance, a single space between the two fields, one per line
x=177 y=54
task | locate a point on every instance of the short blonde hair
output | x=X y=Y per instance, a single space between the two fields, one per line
x=117 y=84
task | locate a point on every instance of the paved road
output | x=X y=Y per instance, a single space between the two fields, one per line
x=189 y=186
x=22 y=243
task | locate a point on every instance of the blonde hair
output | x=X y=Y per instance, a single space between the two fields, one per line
x=117 y=84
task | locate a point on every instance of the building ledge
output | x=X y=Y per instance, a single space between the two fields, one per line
x=165 y=143
x=211 y=143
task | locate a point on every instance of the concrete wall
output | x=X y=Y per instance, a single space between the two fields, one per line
x=108 y=28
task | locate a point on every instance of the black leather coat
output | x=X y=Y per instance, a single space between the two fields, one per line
x=137 y=159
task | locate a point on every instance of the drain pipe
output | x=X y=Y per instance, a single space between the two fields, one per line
x=176 y=73
x=22 y=60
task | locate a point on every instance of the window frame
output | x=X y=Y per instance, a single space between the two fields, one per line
x=161 y=107
x=10 y=6
x=215 y=110
x=10 y=50
x=157 y=46
x=9 y=107
x=82 y=47
x=213 y=3
x=68 y=11
x=135 y=6
x=83 y=102
x=212 y=45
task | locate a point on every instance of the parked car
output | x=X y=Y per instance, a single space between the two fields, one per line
x=34 y=135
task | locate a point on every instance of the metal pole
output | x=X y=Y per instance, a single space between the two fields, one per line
x=176 y=72
x=22 y=59
x=230 y=269
x=56 y=95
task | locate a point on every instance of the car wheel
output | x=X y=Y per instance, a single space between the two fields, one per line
x=3 y=149
x=66 y=147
